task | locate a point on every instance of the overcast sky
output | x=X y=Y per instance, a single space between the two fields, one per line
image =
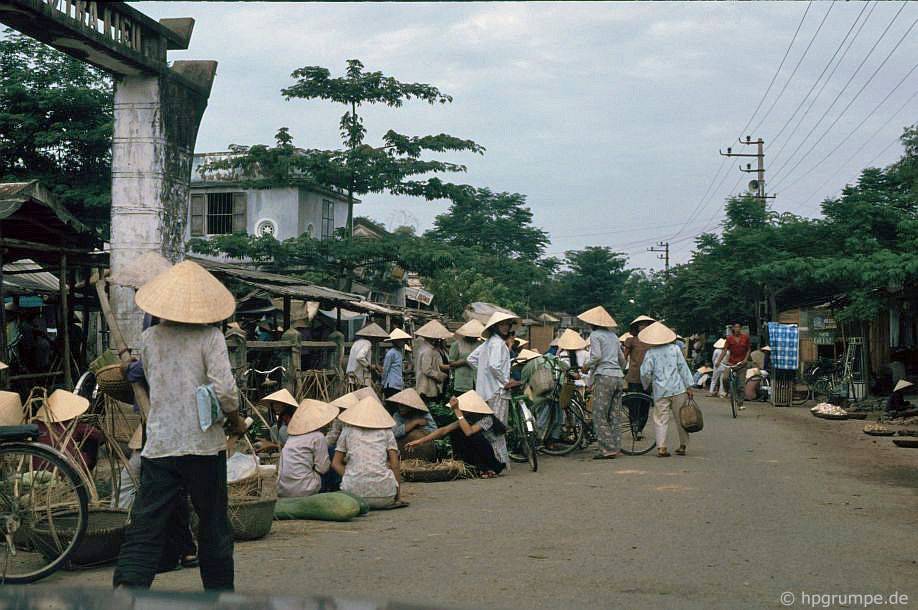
x=607 y=116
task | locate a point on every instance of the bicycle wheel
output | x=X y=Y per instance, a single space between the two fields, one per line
x=733 y=393
x=43 y=511
x=633 y=419
x=530 y=437
x=571 y=431
x=516 y=435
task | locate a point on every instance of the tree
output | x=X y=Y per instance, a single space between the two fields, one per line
x=56 y=121
x=594 y=276
x=499 y=223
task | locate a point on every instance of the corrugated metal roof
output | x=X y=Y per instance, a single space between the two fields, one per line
x=25 y=283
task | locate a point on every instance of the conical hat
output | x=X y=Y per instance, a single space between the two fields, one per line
x=188 y=294
x=641 y=318
x=471 y=329
x=282 y=396
x=367 y=413
x=527 y=354
x=720 y=343
x=10 y=409
x=753 y=372
x=765 y=348
x=497 y=317
x=657 y=334
x=571 y=340
x=4 y=366
x=398 y=334
x=598 y=316
x=705 y=369
x=136 y=441
x=141 y=270
x=902 y=385
x=372 y=331
x=410 y=398
x=520 y=342
x=472 y=402
x=310 y=416
x=349 y=400
x=433 y=330
x=62 y=406
x=624 y=337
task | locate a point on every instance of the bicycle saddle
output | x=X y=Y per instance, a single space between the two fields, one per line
x=22 y=432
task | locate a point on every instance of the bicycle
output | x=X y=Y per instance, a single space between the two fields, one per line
x=732 y=384
x=633 y=417
x=522 y=444
x=44 y=507
x=565 y=417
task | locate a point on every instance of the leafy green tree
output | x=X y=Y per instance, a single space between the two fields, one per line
x=56 y=120
x=594 y=276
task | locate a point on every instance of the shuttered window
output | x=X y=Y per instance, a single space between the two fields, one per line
x=328 y=219
x=219 y=213
x=198 y=203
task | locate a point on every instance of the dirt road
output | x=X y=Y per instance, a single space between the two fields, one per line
x=774 y=501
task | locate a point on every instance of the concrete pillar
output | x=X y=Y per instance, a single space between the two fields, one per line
x=156 y=125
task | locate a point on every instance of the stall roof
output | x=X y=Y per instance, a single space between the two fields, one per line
x=28 y=283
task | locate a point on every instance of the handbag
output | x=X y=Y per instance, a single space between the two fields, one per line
x=690 y=416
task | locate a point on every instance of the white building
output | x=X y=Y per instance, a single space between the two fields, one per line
x=220 y=205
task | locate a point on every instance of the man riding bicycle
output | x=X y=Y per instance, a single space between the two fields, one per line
x=736 y=352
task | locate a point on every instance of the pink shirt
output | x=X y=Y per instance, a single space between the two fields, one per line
x=304 y=460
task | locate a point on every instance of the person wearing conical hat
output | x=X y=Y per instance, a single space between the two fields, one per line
x=666 y=372
x=472 y=436
x=367 y=457
x=184 y=358
x=717 y=387
x=393 y=380
x=896 y=401
x=429 y=361
x=305 y=458
x=605 y=364
x=468 y=336
x=360 y=359
x=634 y=350
x=412 y=421
x=492 y=381
x=283 y=406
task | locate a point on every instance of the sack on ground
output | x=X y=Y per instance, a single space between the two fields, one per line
x=542 y=381
x=690 y=416
x=335 y=506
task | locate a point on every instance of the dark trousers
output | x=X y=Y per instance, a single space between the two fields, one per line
x=475 y=451
x=179 y=539
x=638 y=410
x=331 y=480
x=163 y=482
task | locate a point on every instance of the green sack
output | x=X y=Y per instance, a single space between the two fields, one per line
x=335 y=506
x=364 y=507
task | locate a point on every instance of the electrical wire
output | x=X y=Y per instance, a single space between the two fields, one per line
x=701 y=200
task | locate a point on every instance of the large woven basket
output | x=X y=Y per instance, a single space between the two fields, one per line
x=251 y=518
x=419 y=471
x=112 y=382
x=100 y=544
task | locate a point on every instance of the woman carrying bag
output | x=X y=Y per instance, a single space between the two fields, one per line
x=665 y=369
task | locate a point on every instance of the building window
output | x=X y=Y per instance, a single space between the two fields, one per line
x=218 y=213
x=328 y=219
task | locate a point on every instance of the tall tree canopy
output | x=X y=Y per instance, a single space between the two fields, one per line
x=56 y=118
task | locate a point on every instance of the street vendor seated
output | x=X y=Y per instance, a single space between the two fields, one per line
x=412 y=421
x=331 y=480
x=283 y=406
x=896 y=401
x=57 y=427
x=473 y=435
x=305 y=459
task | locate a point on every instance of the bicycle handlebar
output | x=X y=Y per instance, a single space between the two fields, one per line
x=274 y=370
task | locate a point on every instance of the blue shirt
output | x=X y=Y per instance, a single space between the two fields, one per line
x=606 y=356
x=399 y=428
x=392 y=370
x=664 y=366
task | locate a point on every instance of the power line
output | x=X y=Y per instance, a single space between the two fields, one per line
x=778 y=71
x=853 y=99
x=614 y=231
x=828 y=79
x=701 y=200
x=821 y=74
x=796 y=67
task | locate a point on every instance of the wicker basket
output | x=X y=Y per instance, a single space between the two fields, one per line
x=100 y=544
x=419 y=471
x=112 y=382
x=251 y=518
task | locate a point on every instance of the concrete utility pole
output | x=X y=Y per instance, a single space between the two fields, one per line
x=756 y=186
x=662 y=247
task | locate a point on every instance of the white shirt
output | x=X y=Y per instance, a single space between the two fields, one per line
x=358 y=361
x=491 y=360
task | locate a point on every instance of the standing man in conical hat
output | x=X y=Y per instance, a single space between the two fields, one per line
x=393 y=380
x=606 y=365
x=492 y=380
x=188 y=371
x=634 y=354
x=429 y=376
x=360 y=359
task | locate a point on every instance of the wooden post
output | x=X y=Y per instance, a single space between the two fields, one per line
x=62 y=322
x=84 y=353
x=4 y=357
x=286 y=312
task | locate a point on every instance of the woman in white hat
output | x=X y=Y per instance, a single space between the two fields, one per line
x=473 y=435
x=468 y=337
x=331 y=481
x=412 y=420
x=305 y=456
x=492 y=363
x=666 y=371
x=717 y=377
x=360 y=359
x=184 y=357
x=366 y=456
x=393 y=380
x=56 y=425
x=605 y=365
x=429 y=373
x=896 y=401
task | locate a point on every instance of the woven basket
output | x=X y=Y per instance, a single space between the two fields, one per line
x=100 y=544
x=247 y=488
x=251 y=518
x=112 y=382
x=418 y=471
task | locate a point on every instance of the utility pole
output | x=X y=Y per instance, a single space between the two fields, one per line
x=663 y=248
x=756 y=186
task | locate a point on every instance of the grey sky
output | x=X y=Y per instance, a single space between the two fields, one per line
x=608 y=116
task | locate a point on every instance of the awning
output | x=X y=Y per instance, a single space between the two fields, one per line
x=28 y=283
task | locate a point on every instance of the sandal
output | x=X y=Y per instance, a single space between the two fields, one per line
x=680 y=450
x=488 y=474
x=662 y=452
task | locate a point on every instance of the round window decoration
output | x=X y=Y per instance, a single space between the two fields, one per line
x=266 y=227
